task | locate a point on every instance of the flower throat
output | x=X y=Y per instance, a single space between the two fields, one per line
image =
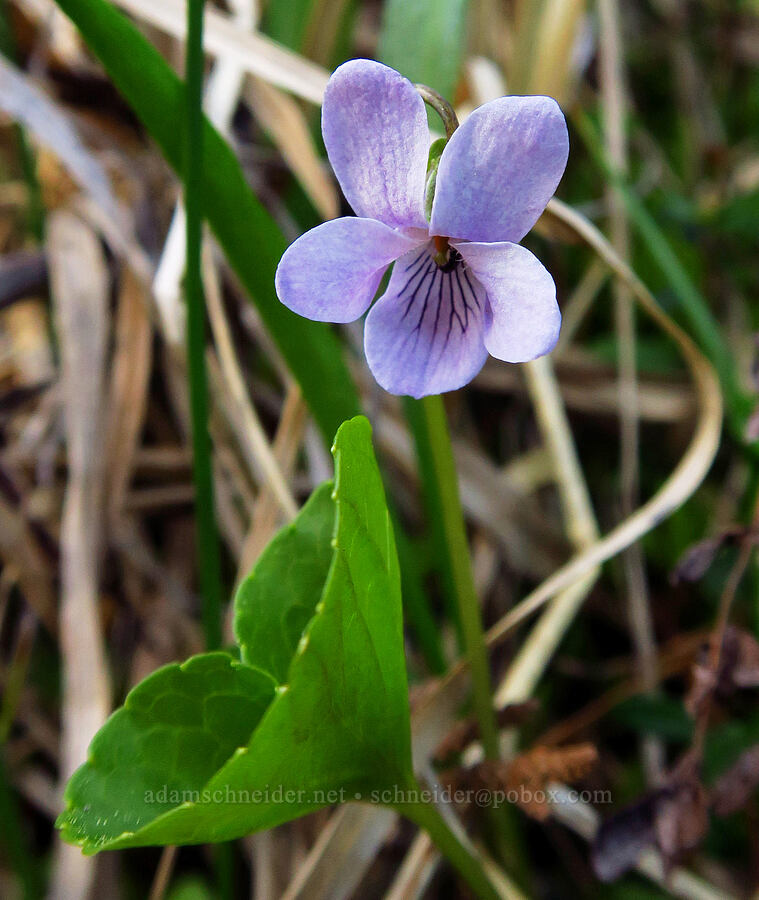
x=445 y=256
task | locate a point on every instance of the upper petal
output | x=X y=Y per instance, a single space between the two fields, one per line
x=524 y=319
x=425 y=334
x=376 y=135
x=332 y=272
x=500 y=169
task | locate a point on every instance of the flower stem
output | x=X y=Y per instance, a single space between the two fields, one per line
x=206 y=534
x=444 y=470
x=455 y=849
x=441 y=106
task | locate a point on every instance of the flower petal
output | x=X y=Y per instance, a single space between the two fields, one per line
x=425 y=334
x=377 y=139
x=500 y=169
x=524 y=320
x=332 y=272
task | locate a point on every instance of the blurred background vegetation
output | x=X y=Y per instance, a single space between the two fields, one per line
x=98 y=572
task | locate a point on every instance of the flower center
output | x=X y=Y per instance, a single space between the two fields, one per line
x=445 y=256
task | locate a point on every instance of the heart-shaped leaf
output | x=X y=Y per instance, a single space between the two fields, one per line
x=316 y=713
x=274 y=605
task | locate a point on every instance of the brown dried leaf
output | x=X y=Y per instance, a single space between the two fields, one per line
x=674 y=817
x=529 y=774
x=738 y=668
x=622 y=838
x=734 y=788
x=696 y=560
x=543 y=764
x=682 y=815
x=745 y=672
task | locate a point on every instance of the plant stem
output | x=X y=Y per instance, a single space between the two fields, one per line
x=455 y=849
x=441 y=106
x=444 y=469
x=206 y=535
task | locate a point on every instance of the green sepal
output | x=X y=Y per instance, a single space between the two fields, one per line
x=433 y=162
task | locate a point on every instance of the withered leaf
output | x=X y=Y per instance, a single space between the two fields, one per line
x=673 y=818
x=529 y=774
x=734 y=788
x=745 y=673
x=738 y=668
x=696 y=560
x=681 y=814
x=622 y=837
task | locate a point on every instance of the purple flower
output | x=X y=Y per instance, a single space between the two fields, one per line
x=462 y=286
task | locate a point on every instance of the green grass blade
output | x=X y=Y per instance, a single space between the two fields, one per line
x=207 y=539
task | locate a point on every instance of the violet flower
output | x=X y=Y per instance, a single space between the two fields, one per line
x=462 y=286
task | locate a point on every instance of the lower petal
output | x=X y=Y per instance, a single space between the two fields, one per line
x=524 y=320
x=332 y=272
x=425 y=334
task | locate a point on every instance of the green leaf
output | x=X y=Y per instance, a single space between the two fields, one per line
x=250 y=237
x=287 y=21
x=425 y=40
x=656 y=714
x=176 y=729
x=274 y=605
x=337 y=729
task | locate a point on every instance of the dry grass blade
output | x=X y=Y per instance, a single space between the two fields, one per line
x=579 y=302
x=544 y=43
x=255 y=53
x=580 y=523
x=281 y=116
x=344 y=850
x=242 y=415
x=50 y=127
x=688 y=473
x=266 y=513
x=221 y=97
x=130 y=375
x=61 y=34
x=588 y=390
x=163 y=873
x=418 y=867
x=79 y=281
x=20 y=551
